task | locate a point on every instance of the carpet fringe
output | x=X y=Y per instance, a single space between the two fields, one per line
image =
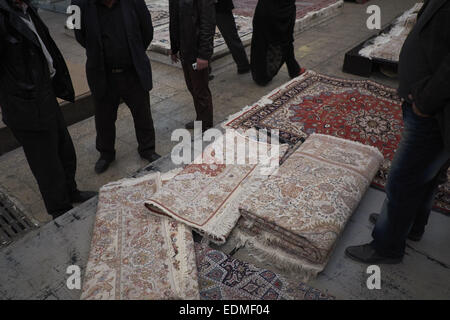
x=129 y=182
x=264 y=252
x=321 y=12
x=216 y=230
x=169 y=175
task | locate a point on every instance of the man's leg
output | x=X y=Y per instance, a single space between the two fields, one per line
x=67 y=154
x=42 y=150
x=198 y=84
x=411 y=182
x=291 y=63
x=410 y=189
x=227 y=26
x=105 y=122
x=138 y=100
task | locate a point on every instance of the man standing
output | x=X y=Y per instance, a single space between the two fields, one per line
x=424 y=74
x=228 y=29
x=32 y=74
x=192 y=29
x=116 y=34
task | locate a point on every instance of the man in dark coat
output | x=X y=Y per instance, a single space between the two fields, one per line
x=227 y=26
x=273 y=40
x=424 y=75
x=192 y=29
x=116 y=35
x=32 y=74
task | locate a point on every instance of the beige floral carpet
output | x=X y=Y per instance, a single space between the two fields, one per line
x=297 y=215
x=135 y=255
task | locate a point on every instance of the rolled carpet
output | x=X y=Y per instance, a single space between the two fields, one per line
x=296 y=216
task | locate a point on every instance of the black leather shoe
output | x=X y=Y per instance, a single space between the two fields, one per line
x=243 y=70
x=82 y=196
x=413 y=235
x=374 y=217
x=189 y=125
x=102 y=165
x=366 y=254
x=150 y=156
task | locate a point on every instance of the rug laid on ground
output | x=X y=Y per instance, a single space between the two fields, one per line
x=222 y=277
x=387 y=46
x=297 y=215
x=161 y=39
x=308 y=13
x=206 y=194
x=159 y=10
x=135 y=255
x=247 y=7
x=358 y=110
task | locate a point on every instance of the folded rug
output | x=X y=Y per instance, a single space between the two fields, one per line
x=135 y=255
x=297 y=214
x=206 y=194
x=222 y=277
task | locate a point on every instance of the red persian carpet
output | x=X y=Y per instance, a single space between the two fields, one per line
x=363 y=111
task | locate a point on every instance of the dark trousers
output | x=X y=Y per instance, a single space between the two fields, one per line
x=52 y=159
x=197 y=83
x=227 y=27
x=291 y=63
x=123 y=85
x=412 y=183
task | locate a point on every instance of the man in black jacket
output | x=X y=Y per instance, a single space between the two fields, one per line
x=228 y=29
x=192 y=29
x=424 y=74
x=116 y=34
x=32 y=74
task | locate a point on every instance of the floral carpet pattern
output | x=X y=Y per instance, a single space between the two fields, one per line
x=206 y=194
x=135 y=255
x=222 y=277
x=298 y=213
x=358 y=110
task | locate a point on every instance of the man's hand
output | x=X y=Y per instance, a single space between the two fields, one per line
x=202 y=64
x=416 y=110
x=174 y=57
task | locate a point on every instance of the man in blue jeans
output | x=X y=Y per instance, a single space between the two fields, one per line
x=424 y=76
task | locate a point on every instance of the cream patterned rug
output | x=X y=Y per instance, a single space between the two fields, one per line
x=297 y=215
x=206 y=194
x=135 y=255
